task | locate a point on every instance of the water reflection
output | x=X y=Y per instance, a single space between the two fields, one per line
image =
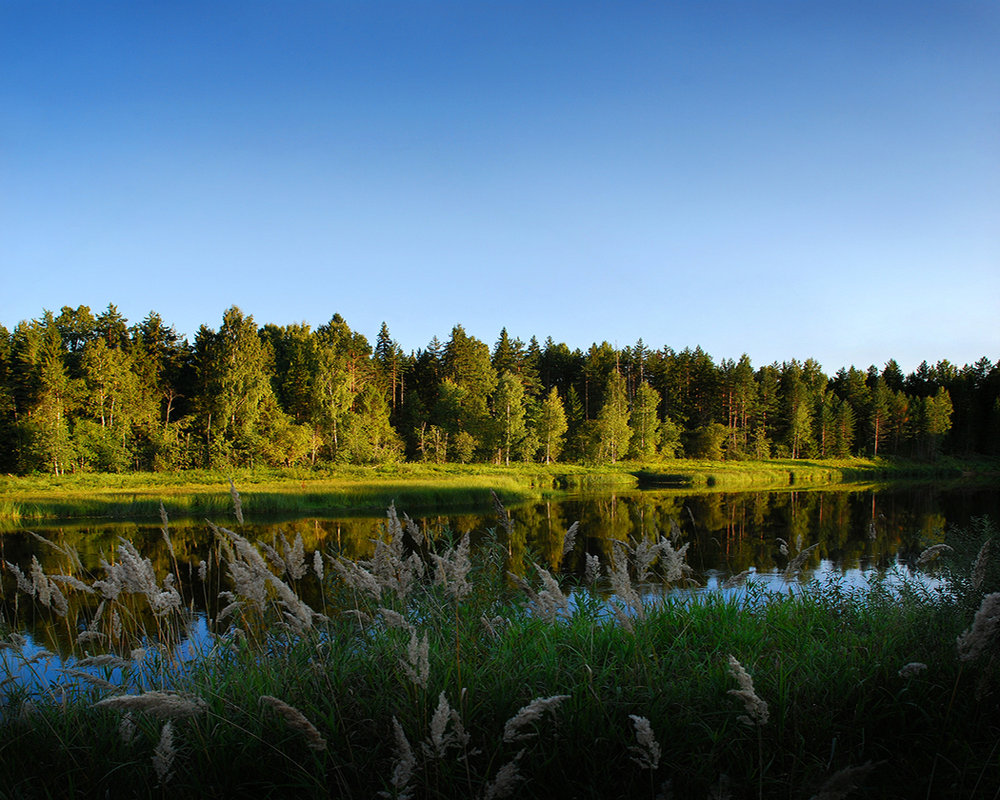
x=856 y=533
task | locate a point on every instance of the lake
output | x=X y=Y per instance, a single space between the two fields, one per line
x=858 y=531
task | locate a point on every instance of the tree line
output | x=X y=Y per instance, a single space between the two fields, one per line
x=85 y=392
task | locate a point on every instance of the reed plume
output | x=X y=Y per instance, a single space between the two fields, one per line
x=912 y=669
x=395 y=620
x=165 y=530
x=644 y=553
x=513 y=731
x=933 y=553
x=979 y=567
x=295 y=557
x=405 y=764
x=737 y=580
x=452 y=569
x=73 y=582
x=440 y=739
x=272 y=555
x=165 y=705
x=93 y=680
x=569 y=540
x=416 y=665
x=106 y=660
x=505 y=521
x=983 y=631
x=507 y=779
x=23 y=584
x=646 y=751
x=550 y=600
x=237 y=503
x=621 y=584
x=295 y=720
x=127 y=728
x=621 y=615
x=164 y=754
x=796 y=564
x=844 y=782
x=672 y=562
x=756 y=708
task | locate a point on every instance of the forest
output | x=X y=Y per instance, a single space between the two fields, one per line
x=81 y=392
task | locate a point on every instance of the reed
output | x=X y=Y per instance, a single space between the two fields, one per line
x=424 y=671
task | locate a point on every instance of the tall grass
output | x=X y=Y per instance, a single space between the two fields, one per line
x=415 y=486
x=427 y=670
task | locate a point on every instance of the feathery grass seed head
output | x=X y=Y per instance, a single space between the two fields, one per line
x=164 y=754
x=756 y=708
x=983 y=631
x=646 y=751
x=912 y=669
x=237 y=503
x=933 y=553
x=295 y=720
x=166 y=705
x=405 y=764
x=844 y=782
x=513 y=731
x=569 y=540
x=979 y=567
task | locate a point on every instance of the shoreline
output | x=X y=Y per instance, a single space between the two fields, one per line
x=431 y=486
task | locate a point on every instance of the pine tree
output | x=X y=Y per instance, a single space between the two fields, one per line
x=467 y=364
x=879 y=413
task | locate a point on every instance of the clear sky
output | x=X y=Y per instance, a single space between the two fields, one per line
x=788 y=179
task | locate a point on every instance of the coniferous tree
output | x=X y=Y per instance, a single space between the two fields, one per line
x=467 y=364
x=50 y=395
x=767 y=427
x=798 y=405
x=390 y=365
x=7 y=417
x=844 y=428
x=239 y=409
x=740 y=401
x=851 y=386
x=879 y=407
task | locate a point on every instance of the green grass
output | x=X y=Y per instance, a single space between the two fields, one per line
x=199 y=493
x=827 y=664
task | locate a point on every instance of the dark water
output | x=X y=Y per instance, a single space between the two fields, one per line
x=857 y=532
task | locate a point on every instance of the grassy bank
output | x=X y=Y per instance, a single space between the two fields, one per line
x=199 y=493
x=424 y=672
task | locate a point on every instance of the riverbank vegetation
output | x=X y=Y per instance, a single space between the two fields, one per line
x=86 y=393
x=423 y=486
x=433 y=670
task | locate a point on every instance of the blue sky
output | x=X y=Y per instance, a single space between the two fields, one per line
x=786 y=179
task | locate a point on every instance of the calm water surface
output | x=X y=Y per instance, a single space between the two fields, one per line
x=858 y=533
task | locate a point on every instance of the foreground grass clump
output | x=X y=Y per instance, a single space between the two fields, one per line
x=429 y=671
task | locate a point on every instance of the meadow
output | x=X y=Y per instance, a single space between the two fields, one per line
x=428 y=670
x=200 y=493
